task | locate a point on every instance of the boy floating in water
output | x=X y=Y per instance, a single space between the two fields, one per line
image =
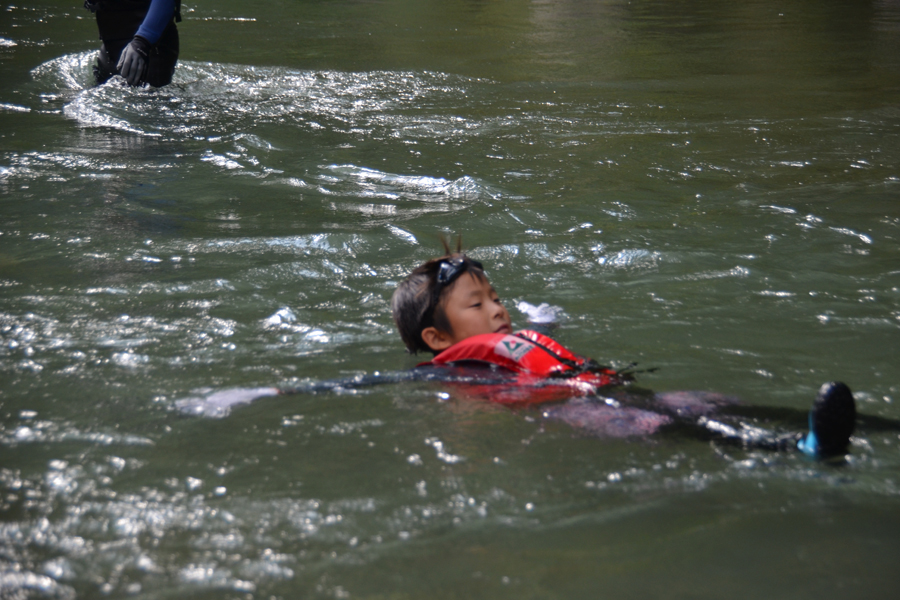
x=448 y=307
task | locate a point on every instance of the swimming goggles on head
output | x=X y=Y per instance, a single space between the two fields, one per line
x=450 y=269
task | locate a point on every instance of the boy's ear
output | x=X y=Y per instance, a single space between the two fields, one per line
x=436 y=339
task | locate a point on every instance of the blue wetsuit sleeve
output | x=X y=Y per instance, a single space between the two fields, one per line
x=157 y=19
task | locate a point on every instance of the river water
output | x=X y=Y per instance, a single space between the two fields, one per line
x=705 y=188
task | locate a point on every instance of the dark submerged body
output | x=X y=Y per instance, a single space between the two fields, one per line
x=614 y=412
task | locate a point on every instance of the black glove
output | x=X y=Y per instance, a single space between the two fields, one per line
x=134 y=61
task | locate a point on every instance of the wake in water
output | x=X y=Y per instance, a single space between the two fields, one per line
x=246 y=120
x=208 y=99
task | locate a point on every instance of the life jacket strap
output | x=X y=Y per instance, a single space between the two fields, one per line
x=587 y=365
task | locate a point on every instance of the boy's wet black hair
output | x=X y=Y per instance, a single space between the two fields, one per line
x=416 y=303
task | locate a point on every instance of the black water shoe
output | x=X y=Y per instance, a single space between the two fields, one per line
x=831 y=422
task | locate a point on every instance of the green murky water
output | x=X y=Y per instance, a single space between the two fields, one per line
x=707 y=188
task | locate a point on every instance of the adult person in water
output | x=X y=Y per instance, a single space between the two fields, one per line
x=140 y=40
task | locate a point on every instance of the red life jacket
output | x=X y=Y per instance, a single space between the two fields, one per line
x=540 y=363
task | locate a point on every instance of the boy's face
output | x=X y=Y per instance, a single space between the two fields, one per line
x=472 y=307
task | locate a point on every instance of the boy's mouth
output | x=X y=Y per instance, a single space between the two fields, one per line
x=503 y=329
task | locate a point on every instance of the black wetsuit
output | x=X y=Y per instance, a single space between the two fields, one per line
x=119 y=21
